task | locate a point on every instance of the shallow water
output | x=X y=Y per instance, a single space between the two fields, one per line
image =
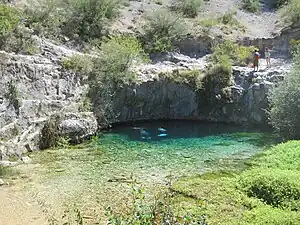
x=97 y=173
x=185 y=147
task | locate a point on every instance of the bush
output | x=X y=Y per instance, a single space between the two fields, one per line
x=14 y=37
x=79 y=20
x=12 y=94
x=276 y=187
x=46 y=17
x=192 y=78
x=251 y=5
x=49 y=134
x=111 y=71
x=239 y=55
x=89 y=19
x=291 y=12
x=161 y=30
x=285 y=104
x=77 y=63
x=10 y=18
x=189 y=8
x=295 y=47
x=19 y=41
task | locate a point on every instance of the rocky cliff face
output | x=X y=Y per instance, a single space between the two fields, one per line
x=44 y=88
x=165 y=99
x=40 y=88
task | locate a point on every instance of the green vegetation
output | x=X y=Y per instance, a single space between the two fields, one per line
x=111 y=72
x=295 y=47
x=10 y=18
x=162 y=29
x=78 y=20
x=89 y=19
x=12 y=94
x=284 y=103
x=189 y=8
x=251 y=5
x=49 y=134
x=266 y=193
x=78 y=63
x=14 y=37
x=238 y=55
x=192 y=78
x=291 y=12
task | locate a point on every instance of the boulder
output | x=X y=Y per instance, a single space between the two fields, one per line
x=77 y=126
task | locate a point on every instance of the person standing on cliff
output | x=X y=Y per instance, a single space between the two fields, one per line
x=268 y=57
x=256 y=59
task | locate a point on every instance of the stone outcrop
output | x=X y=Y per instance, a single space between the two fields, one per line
x=77 y=126
x=165 y=99
x=43 y=88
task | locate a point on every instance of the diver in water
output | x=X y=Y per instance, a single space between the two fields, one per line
x=162 y=132
x=145 y=134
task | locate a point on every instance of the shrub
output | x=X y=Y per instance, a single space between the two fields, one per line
x=285 y=104
x=49 y=134
x=291 y=12
x=189 y=8
x=239 y=55
x=89 y=19
x=192 y=78
x=251 y=5
x=161 y=30
x=111 y=71
x=9 y=18
x=12 y=94
x=78 y=63
x=79 y=20
x=46 y=17
x=295 y=47
x=278 y=188
x=19 y=41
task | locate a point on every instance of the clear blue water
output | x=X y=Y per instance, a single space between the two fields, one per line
x=186 y=147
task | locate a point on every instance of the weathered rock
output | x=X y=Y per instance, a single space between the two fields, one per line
x=8 y=163
x=77 y=126
x=26 y=159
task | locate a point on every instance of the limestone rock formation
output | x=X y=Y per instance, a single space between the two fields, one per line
x=77 y=126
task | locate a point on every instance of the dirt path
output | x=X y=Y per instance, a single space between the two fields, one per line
x=17 y=209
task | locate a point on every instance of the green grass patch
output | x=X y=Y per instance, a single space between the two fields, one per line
x=252 y=6
x=266 y=193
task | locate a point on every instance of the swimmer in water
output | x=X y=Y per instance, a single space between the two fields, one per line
x=145 y=134
x=162 y=132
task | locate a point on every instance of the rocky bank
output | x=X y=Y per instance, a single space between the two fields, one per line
x=44 y=88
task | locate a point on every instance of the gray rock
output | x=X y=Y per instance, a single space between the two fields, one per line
x=8 y=163
x=78 y=126
x=26 y=159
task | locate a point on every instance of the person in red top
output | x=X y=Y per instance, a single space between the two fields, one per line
x=256 y=59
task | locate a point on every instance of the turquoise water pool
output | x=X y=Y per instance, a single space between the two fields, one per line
x=97 y=174
x=180 y=147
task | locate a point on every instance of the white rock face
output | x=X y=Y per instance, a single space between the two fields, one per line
x=44 y=88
